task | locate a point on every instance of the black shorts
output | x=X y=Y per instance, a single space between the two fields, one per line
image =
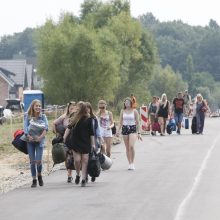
x=129 y=129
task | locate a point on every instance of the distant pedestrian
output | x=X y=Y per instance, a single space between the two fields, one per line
x=187 y=101
x=35 y=129
x=129 y=123
x=82 y=140
x=59 y=127
x=106 y=123
x=163 y=113
x=134 y=101
x=178 y=108
x=152 y=110
x=201 y=109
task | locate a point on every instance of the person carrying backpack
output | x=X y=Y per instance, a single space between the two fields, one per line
x=59 y=127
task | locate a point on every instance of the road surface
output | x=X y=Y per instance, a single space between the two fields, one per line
x=177 y=177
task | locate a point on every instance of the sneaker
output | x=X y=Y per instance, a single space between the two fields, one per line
x=93 y=179
x=178 y=132
x=77 y=179
x=129 y=167
x=83 y=183
x=40 y=180
x=132 y=167
x=34 y=183
x=69 y=179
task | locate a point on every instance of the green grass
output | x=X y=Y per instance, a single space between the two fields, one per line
x=6 y=136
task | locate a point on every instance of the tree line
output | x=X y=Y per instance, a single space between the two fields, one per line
x=105 y=53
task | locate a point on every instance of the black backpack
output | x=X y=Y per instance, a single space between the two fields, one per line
x=94 y=167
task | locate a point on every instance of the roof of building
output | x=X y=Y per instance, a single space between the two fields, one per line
x=18 y=67
x=7 y=78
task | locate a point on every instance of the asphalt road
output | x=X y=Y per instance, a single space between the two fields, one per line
x=177 y=177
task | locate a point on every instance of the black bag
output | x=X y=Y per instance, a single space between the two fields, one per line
x=94 y=167
x=20 y=144
x=56 y=140
x=194 y=126
x=114 y=129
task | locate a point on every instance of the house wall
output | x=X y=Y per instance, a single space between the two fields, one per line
x=4 y=91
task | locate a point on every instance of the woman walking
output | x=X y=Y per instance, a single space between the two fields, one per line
x=163 y=112
x=106 y=124
x=81 y=135
x=35 y=129
x=201 y=109
x=152 y=110
x=129 y=123
x=59 y=127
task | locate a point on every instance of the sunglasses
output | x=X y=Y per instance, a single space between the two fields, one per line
x=101 y=107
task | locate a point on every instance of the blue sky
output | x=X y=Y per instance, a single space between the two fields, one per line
x=16 y=15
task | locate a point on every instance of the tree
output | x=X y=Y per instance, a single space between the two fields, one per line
x=73 y=64
x=165 y=80
x=189 y=71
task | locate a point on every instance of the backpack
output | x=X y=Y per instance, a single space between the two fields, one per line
x=58 y=153
x=171 y=126
x=94 y=167
x=18 y=143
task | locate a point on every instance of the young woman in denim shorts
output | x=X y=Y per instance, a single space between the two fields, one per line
x=129 y=124
x=106 y=123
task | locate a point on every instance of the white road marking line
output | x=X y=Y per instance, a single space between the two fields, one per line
x=181 y=209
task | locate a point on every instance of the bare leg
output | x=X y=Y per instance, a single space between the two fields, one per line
x=108 y=142
x=77 y=162
x=85 y=159
x=126 y=142
x=132 y=140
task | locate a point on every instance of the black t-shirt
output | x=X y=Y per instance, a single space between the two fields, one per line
x=178 y=105
x=81 y=135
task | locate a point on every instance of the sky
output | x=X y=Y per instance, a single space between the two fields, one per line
x=16 y=15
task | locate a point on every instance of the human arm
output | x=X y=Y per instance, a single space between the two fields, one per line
x=111 y=121
x=56 y=122
x=43 y=134
x=120 y=123
x=137 y=124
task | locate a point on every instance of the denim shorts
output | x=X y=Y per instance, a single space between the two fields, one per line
x=178 y=117
x=129 y=129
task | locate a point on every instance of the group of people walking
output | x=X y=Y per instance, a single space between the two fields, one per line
x=80 y=129
x=160 y=109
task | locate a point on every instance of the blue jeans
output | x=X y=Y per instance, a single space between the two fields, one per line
x=35 y=152
x=178 y=118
